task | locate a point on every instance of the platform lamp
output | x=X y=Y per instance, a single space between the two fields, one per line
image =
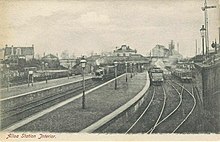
x=202 y=31
x=134 y=68
x=46 y=65
x=115 y=64
x=83 y=65
x=131 y=64
x=8 y=74
x=126 y=70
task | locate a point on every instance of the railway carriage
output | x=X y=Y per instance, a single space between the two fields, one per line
x=185 y=75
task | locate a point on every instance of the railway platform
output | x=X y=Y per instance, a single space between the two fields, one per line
x=101 y=101
x=22 y=89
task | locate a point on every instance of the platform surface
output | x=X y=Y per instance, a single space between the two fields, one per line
x=99 y=103
x=22 y=89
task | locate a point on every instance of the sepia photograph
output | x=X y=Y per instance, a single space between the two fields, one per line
x=109 y=70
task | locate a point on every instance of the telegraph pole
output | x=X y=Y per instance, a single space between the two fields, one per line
x=196 y=47
x=206 y=25
x=178 y=47
x=218 y=39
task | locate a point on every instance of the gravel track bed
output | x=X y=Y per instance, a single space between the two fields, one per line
x=25 y=113
x=99 y=103
x=193 y=123
x=174 y=120
x=122 y=124
x=150 y=117
x=189 y=126
x=37 y=86
x=172 y=100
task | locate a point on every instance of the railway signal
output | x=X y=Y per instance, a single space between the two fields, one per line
x=214 y=45
x=83 y=64
x=205 y=8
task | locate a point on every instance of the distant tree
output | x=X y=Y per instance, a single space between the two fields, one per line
x=72 y=56
x=38 y=56
x=92 y=53
x=65 y=54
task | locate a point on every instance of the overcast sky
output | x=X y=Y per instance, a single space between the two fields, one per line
x=82 y=27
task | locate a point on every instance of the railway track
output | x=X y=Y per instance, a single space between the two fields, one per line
x=161 y=112
x=167 y=118
x=151 y=100
x=173 y=122
x=12 y=115
x=192 y=109
x=155 y=103
x=171 y=113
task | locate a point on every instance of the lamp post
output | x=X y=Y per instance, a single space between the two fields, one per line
x=68 y=72
x=8 y=76
x=116 y=64
x=135 y=68
x=126 y=70
x=30 y=77
x=43 y=70
x=142 y=68
x=131 y=68
x=46 y=64
x=202 y=31
x=83 y=64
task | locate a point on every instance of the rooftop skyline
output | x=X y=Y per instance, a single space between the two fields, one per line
x=83 y=27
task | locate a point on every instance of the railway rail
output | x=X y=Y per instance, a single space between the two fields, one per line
x=12 y=115
x=173 y=114
x=161 y=112
x=142 y=112
x=155 y=99
x=194 y=105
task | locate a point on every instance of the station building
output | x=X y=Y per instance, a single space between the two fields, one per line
x=124 y=50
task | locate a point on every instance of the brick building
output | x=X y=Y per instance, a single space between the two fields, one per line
x=21 y=52
x=160 y=51
x=124 y=51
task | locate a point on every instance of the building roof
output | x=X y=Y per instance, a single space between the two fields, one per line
x=124 y=48
x=50 y=56
x=110 y=59
x=161 y=47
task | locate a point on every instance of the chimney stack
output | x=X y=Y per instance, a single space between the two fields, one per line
x=218 y=48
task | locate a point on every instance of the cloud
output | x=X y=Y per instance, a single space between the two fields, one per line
x=95 y=26
x=93 y=18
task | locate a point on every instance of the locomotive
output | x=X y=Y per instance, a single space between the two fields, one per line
x=108 y=72
x=104 y=72
x=156 y=76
